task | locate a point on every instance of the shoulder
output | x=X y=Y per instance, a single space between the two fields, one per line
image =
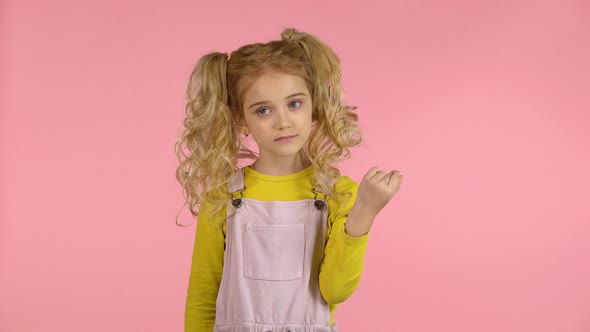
x=340 y=204
x=346 y=184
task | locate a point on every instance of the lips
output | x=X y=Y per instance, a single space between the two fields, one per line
x=285 y=137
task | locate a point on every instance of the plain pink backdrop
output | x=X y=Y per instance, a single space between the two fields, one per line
x=484 y=106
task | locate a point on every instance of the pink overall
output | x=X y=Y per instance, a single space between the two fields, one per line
x=270 y=273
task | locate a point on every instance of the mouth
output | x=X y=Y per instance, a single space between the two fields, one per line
x=285 y=138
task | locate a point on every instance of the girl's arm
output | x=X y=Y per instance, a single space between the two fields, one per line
x=343 y=261
x=341 y=269
x=205 y=275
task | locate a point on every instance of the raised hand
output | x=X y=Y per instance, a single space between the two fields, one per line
x=375 y=190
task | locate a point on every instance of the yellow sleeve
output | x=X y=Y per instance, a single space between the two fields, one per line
x=205 y=274
x=341 y=269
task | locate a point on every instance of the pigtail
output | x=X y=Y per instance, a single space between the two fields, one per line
x=208 y=143
x=336 y=130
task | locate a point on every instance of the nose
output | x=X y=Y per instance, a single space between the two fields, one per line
x=283 y=119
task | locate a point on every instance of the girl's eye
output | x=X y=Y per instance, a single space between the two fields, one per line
x=261 y=111
x=265 y=111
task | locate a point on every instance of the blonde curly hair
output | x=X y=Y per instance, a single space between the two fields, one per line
x=210 y=145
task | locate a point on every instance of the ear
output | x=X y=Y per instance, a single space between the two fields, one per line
x=242 y=127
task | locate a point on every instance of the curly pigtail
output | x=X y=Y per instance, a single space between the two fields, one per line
x=209 y=135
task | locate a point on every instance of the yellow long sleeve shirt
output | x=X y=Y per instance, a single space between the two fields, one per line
x=340 y=270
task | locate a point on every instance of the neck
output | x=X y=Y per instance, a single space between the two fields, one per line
x=279 y=166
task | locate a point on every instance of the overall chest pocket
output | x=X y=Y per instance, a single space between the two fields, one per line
x=274 y=252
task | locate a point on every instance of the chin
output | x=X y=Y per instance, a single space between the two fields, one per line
x=289 y=153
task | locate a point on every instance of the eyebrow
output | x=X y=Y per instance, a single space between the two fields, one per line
x=268 y=102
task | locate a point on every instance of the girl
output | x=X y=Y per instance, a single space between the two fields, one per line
x=279 y=242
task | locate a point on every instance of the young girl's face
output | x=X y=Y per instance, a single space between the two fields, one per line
x=278 y=114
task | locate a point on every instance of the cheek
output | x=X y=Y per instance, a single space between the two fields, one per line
x=308 y=124
x=258 y=128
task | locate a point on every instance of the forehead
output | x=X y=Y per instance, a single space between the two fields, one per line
x=272 y=85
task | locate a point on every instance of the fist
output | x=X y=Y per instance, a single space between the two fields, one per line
x=376 y=189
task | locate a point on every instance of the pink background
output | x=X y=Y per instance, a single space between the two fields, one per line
x=484 y=106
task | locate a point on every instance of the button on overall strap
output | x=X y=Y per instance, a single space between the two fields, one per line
x=236 y=187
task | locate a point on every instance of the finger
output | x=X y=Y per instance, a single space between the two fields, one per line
x=394 y=178
x=371 y=172
x=379 y=174
x=382 y=177
x=387 y=177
